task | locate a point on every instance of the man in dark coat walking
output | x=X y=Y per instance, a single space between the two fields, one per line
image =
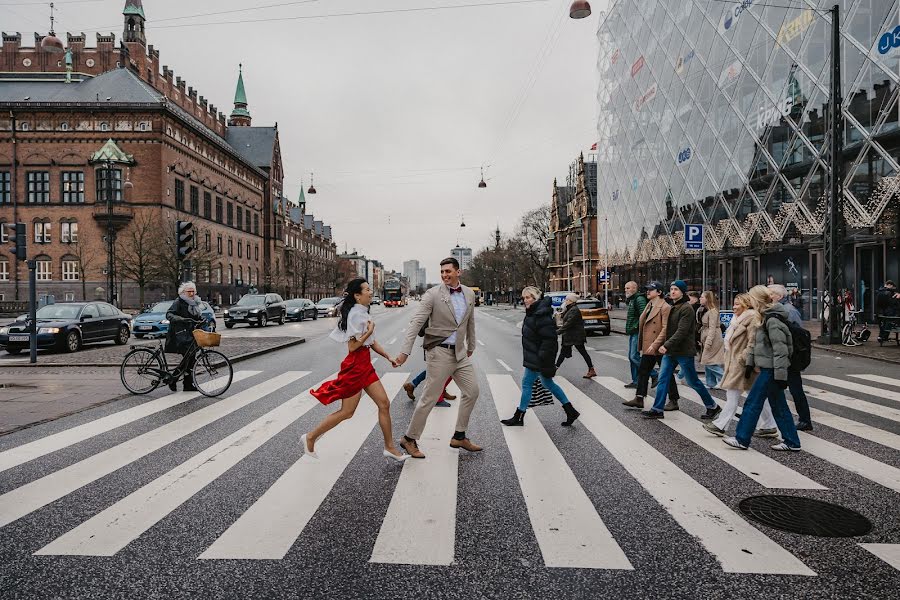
x=573 y=334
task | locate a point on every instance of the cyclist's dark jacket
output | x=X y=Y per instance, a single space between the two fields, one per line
x=180 y=319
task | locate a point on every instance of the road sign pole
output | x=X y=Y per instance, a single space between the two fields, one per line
x=32 y=309
x=703 y=279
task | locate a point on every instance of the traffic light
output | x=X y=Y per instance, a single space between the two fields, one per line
x=184 y=238
x=18 y=237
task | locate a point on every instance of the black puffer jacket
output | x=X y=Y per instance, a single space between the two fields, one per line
x=180 y=319
x=539 y=343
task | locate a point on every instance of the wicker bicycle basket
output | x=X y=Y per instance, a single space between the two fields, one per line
x=207 y=339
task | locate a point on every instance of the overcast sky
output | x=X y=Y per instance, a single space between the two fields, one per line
x=393 y=112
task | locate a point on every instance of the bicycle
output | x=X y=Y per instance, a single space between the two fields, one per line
x=143 y=369
x=849 y=337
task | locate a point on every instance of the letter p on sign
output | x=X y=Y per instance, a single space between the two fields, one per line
x=693 y=237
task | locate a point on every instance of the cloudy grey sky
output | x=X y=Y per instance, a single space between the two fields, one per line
x=393 y=112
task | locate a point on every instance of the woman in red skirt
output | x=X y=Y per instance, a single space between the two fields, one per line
x=357 y=374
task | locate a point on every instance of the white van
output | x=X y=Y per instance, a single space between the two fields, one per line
x=557 y=298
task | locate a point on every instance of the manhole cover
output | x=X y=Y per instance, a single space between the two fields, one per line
x=15 y=385
x=805 y=515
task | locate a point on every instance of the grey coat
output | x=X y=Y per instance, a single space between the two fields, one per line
x=773 y=346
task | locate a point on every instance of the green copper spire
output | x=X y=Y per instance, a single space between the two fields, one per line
x=134 y=7
x=240 y=100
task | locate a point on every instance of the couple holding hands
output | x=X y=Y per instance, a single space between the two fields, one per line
x=447 y=314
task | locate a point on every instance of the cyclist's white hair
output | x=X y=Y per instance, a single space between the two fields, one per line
x=187 y=285
x=777 y=288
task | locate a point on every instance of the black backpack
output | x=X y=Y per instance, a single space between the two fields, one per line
x=801 y=354
x=422 y=330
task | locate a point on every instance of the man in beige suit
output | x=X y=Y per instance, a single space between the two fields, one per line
x=449 y=312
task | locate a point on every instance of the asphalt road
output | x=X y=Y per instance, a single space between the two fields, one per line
x=187 y=497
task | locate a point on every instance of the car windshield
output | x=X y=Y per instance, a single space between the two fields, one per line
x=161 y=307
x=59 y=311
x=251 y=301
x=589 y=305
x=329 y=300
x=295 y=302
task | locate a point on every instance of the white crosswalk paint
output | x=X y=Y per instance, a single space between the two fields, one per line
x=866 y=432
x=756 y=466
x=889 y=553
x=419 y=527
x=878 y=410
x=856 y=387
x=32 y=496
x=480 y=343
x=879 y=379
x=392 y=341
x=504 y=365
x=739 y=547
x=568 y=529
x=614 y=355
x=844 y=458
x=269 y=528
x=57 y=441
x=120 y=524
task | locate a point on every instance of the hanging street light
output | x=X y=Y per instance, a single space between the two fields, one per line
x=51 y=43
x=312 y=187
x=481 y=183
x=579 y=9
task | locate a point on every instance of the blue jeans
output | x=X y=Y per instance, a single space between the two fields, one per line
x=634 y=357
x=528 y=380
x=713 y=374
x=419 y=379
x=795 y=384
x=764 y=387
x=690 y=376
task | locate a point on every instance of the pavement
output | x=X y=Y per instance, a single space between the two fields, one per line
x=183 y=496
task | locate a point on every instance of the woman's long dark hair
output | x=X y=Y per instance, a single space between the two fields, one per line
x=353 y=288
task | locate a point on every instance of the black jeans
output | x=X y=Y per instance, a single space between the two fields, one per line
x=566 y=351
x=648 y=363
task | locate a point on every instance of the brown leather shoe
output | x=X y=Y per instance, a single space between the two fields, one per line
x=591 y=373
x=449 y=396
x=411 y=447
x=410 y=390
x=636 y=402
x=465 y=444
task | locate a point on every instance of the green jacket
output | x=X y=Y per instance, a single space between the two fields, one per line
x=681 y=327
x=636 y=305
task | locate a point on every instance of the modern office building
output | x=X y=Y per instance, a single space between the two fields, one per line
x=463 y=255
x=717 y=113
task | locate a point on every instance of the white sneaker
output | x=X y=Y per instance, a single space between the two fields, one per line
x=782 y=447
x=734 y=443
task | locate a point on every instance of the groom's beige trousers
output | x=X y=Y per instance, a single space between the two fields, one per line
x=441 y=363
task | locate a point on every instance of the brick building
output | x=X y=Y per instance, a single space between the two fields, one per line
x=101 y=139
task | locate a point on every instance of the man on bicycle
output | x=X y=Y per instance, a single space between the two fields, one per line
x=184 y=316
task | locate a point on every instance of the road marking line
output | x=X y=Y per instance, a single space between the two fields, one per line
x=419 y=527
x=866 y=432
x=738 y=546
x=519 y=324
x=32 y=496
x=613 y=355
x=856 y=387
x=879 y=379
x=480 y=343
x=504 y=365
x=889 y=553
x=110 y=531
x=568 y=529
x=878 y=410
x=57 y=441
x=269 y=528
x=392 y=341
x=756 y=466
x=865 y=467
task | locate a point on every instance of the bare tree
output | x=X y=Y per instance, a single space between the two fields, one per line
x=86 y=260
x=165 y=266
x=533 y=234
x=136 y=251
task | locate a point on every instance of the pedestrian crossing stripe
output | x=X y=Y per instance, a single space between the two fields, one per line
x=877 y=410
x=856 y=387
x=879 y=379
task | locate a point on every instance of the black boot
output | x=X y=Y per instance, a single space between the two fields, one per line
x=516 y=420
x=189 y=384
x=571 y=414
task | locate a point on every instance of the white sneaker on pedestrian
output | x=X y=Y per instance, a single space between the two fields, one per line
x=734 y=443
x=782 y=447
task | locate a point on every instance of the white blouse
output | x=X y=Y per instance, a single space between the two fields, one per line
x=356 y=326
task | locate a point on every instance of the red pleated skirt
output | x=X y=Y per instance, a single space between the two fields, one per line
x=356 y=374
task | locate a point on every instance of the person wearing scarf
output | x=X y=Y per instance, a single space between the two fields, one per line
x=183 y=315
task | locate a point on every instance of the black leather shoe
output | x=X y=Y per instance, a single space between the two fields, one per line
x=804 y=426
x=631 y=385
x=711 y=413
x=652 y=414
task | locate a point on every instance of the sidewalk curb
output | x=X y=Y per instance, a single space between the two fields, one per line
x=238 y=358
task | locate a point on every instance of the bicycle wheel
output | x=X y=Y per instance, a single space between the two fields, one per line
x=141 y=371
x=212 y=373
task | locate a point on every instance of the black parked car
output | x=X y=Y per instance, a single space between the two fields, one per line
x=68 y=325
x=256 y=309
x=301 y=308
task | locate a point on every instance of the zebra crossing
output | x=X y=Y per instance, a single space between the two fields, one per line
x=420 y=524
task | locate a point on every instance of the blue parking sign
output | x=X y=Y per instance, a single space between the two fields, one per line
x=693 y=237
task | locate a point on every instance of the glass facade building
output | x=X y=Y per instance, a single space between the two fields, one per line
x=716 y=112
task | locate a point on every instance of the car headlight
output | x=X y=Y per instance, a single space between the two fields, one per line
x=254 y=311
x=4 y=330
x=225 y=312
x=164 y=322
x=295 y=310
x=48 y=330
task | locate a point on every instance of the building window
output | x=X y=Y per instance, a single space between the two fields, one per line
x=229 y=215
x=4 y=234
x=109 y=184
x=256 y=252
x=219 y=244
x=255 y=224
x=206 y=275
x=5 y=189
x=230 y=247
x=42 y=232
x=195 y=200
x=240 y=248
x=68 y=232
x=38 y=186
x=179 y=194
x=70 y=270
x=218 y=209
x=248 y=250
x=207 y=205
x=73 y=186
x=241 y=274
x=240 y=217
x=219 y=274
x=44 y=271
x=230 y=275
x=208 y=245
x=249 y=275
x=4 y=270
x=104 y=126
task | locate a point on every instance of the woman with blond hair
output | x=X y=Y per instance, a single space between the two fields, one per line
x=712 y=348
x=741 y=333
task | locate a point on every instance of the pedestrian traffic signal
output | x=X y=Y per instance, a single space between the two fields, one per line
x=17 y=236
x=185 y=237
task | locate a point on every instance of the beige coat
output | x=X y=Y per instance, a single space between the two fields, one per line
x=436 y=310
x=652 y=326
x=743 y=334
x=712 y=349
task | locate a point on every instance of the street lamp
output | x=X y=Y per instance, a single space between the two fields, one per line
x=579 y=9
